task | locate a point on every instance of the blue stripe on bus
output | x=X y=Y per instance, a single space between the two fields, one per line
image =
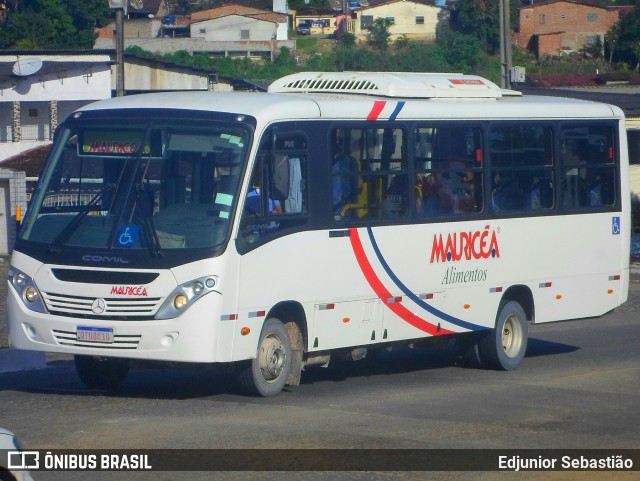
x=397 y=110
x=442 y=315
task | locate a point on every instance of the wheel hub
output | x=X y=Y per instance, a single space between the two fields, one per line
x=272 y=358
x=511 y=336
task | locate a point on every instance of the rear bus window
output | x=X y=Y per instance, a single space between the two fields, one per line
x=588 y=166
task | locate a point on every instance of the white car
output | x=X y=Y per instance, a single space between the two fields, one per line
x=9 y=442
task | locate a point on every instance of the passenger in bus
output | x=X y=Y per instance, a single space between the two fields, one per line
x=394 y=202
x=575 y=187
x=427 y=199
x=451 y=190
x=344 y=182
x=253 y=205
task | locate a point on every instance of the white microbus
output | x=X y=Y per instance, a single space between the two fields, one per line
x=335 y=214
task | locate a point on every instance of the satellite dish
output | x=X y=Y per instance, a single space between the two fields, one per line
x=364 y=3
x=336 y=4
x=26 y=66
x=136 y=4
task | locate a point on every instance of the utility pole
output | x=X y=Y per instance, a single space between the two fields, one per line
x=120 y=8
x=505 y=44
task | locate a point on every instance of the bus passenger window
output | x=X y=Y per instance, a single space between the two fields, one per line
x=522 y=165
x=449 y=168
x=588 y=160
x=369 y=173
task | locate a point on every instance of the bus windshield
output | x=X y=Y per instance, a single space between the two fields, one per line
x=159 y=186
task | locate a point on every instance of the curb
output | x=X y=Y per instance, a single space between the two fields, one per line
x=12 y=360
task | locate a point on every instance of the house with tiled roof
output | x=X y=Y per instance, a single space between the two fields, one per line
x=412 y=19
x=556 y=27
x=238 y=23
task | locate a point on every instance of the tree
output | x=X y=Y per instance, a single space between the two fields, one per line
x=379 y=33
x=611 y=39
x=464 y=52
x=481 y=18
x=53 y=24
x=629 y=36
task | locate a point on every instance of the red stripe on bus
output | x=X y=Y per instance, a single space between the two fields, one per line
x=378 y=105
x=382 y=292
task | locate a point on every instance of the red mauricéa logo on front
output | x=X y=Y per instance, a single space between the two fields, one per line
x=138 y=291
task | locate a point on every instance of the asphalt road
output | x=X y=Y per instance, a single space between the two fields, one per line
x=578 y=387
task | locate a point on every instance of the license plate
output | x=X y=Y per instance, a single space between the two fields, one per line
x=94 y=334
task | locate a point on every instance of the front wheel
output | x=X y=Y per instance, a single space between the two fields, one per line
x=102 y=372
x=504 y=348
x=267 y=374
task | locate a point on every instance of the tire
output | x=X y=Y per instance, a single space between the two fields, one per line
x=102 y=372
x=267 y=374
x=505 y=347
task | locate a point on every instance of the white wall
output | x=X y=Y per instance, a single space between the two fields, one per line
x=229 y=28
x=69 y=83
x=404 y=14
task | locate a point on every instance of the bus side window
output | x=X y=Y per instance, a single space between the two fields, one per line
x=522 y=165
x=588 y=160
x=369 y=173
x=449 y=170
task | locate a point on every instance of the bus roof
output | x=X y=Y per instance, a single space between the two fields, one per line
x=371 y=96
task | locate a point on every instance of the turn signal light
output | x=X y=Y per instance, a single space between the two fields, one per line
x=244 y=331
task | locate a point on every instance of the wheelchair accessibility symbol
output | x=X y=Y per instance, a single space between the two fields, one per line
x=615 y=225
x=127 y=235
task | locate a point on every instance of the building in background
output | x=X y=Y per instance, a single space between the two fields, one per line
x=557 y=27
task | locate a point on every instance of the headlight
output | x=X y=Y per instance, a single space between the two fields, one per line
x=30 y=294
x=180 y=302
x=26 y=289
x=185 y=295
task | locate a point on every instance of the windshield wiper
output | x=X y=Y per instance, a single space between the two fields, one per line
x=71 y=227
x=147 y=220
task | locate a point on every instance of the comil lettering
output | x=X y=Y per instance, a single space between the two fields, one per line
x=137 y=291
x=465 y=245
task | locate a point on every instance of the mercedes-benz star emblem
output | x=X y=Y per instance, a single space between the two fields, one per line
x=98 y=306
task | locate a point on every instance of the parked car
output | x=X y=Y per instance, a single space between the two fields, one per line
x=9 y=442
x=303 y=29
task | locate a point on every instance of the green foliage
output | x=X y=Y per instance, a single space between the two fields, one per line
x=307 y=44
x=53 y=24
x=468 y=53
x=481 y=18
x=629 y=37
x=379 y=33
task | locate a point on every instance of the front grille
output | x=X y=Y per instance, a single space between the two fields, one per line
x=116 y=308
x=86 y=276
x=69 y=338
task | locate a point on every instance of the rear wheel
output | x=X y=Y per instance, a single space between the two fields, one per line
x=102 y=372
x=267 y=374
x=505 y=347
